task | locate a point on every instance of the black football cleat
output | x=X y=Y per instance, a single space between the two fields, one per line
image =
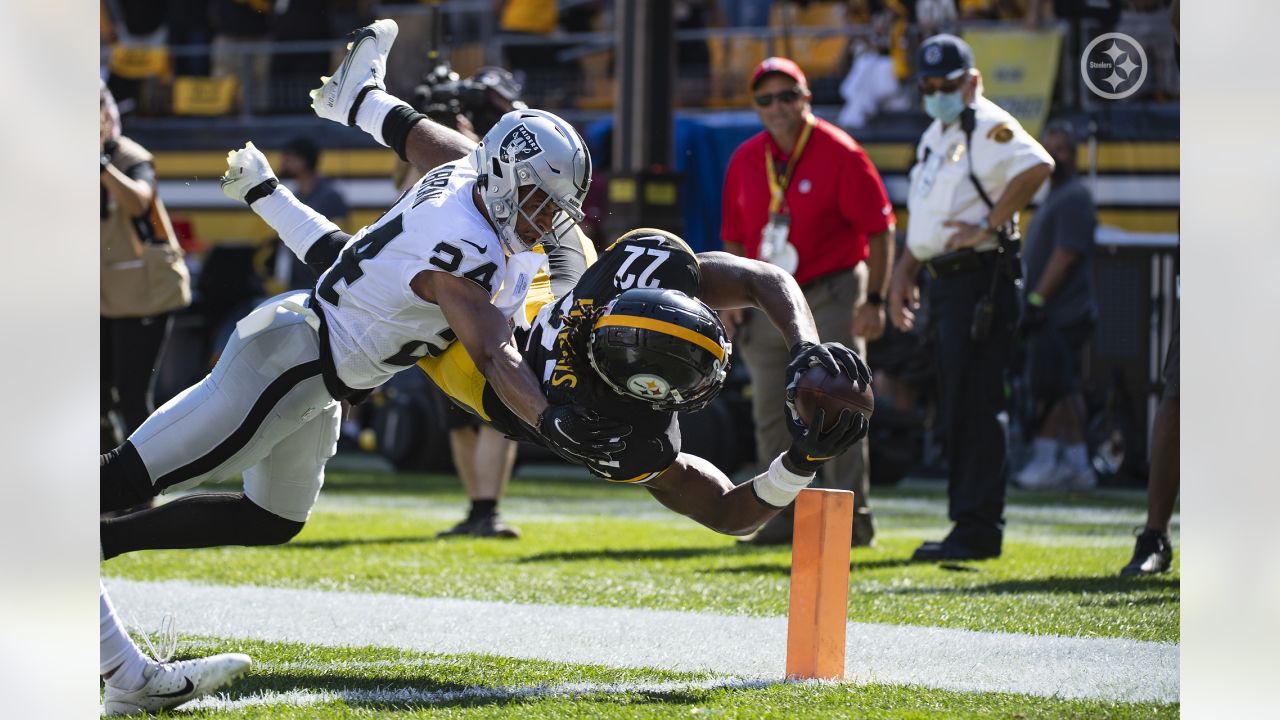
x=1152 y=554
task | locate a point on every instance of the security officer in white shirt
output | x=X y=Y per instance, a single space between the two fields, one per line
x=975 y=169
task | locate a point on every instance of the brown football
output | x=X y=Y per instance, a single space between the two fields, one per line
x=817 y=388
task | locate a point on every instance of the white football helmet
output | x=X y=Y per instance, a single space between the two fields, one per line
x=537 y=150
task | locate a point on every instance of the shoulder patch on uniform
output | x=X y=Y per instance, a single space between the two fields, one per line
x=1001 y=133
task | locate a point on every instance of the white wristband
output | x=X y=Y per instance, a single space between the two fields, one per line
x=297 y=224
x=778 y=486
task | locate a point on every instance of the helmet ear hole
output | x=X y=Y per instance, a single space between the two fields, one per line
x=495 y=167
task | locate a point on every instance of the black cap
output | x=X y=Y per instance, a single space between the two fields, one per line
x=944 y=56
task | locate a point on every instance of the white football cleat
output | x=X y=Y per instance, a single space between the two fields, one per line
x=170 y=684
x=364 y=66
x=247 y=168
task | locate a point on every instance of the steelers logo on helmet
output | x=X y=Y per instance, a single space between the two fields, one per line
x=648 y=386
x=660 y=347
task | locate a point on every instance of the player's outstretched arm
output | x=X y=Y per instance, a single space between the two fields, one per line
x=698 y=490
x=729 y=281
x=315 y=239
x=486 y=335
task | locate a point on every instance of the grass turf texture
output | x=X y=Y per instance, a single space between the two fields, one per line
x=363 y=682
x=589 y=543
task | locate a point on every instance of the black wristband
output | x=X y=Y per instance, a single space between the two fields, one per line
x=261 y=190
x=396 y=127
x=874 y=299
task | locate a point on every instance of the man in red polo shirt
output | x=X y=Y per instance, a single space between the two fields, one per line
x=804 y=196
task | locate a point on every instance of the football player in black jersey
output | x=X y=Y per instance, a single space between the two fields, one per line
x=638 y=340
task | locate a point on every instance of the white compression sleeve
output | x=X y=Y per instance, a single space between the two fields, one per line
x=778 y=486
x=375 y=107
x=298 y=225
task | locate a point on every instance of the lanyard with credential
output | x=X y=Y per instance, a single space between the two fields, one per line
x=778 y=184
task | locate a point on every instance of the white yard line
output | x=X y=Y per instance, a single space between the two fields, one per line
x=741 y=647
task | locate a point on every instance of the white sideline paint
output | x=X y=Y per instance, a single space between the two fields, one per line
x=741 y=647
x=414 y=696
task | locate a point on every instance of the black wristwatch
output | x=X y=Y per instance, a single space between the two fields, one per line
x=874 y=299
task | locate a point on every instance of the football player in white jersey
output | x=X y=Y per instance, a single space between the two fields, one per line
x=451 y=260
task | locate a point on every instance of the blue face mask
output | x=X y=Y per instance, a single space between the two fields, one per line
x=944 y=106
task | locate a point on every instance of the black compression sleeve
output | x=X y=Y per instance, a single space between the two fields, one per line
x=396 y=127
x=325 y=250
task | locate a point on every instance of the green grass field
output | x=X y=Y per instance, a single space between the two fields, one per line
x=590 y=543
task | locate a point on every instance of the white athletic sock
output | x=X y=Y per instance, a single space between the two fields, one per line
x=1076 y=456
x=1044 y=451
x=373 y=111
x=117 y=649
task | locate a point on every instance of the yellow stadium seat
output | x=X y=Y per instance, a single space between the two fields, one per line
x=819 y=57
x=733 y=57
x=204 y=95
x=139 y=62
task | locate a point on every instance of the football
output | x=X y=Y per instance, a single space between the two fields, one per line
x=817 y=388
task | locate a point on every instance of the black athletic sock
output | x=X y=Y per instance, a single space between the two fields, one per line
x=482 y=509
x=197 y=520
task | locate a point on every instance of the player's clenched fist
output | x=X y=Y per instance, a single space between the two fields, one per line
x=249 y=175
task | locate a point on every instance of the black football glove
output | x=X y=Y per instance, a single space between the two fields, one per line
x=832 y=356
x=811 y=448
x=575 y=433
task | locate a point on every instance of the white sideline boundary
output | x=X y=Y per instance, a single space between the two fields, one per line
x=750 y=648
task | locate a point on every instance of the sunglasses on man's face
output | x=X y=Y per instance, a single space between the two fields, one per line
x=785 y=97
x=936 y=85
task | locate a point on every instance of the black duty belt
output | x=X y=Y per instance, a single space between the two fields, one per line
x=960 y=262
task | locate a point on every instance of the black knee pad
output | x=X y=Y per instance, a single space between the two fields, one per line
x=263 y=527
x=124 y=481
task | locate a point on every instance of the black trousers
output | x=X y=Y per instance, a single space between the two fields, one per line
x=131 y=350
x=971 y=376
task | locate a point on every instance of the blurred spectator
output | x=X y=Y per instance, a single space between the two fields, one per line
x=534 y=65
x=298 y=21
x=138 y=24
x=804 y=196
x=299 y=163
x=693 y=57
x=143 y=279
x=1153 y=550
x=189 y=26
x=1030 y=11
x=1147 y=21
x=746 y=13
x=871 y=86
x=238 y=26
x=1058 y=318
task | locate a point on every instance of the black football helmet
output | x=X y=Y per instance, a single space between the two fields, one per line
x=661 y=347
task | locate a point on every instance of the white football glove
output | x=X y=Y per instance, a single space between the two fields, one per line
x=247 y=168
